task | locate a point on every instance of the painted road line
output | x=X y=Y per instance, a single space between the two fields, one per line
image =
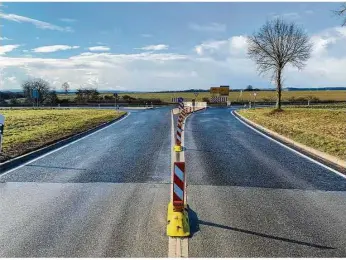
x=178 y=247
x=62 y=147
x=291 y=149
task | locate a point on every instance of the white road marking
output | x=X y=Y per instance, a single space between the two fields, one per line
x=62 y=147
x=172 y=245
x=292 y=150
x=178 y=247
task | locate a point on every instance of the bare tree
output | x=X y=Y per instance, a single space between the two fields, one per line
x=342 y=12
x=41 y=86
x=277 y=44
x=66 y=87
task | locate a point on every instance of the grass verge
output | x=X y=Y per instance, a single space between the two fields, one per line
x=322 y=129
x=29 y=129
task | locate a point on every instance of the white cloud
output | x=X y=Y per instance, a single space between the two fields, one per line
x=320 y=44
x=213 y=63
x=176 y=74
x=326 y=39
x=146 y=35
x=99 y=48
x=54 y=48
x=68 y=20
x=213 y=27
x=11 y=79
x=158 y=47
x=8 y=48
x=234 y=46
x=210 y=47
x=292 y=16
x=5 y=39
x=309 y=12
x=37 y=23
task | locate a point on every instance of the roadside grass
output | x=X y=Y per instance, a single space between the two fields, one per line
x=29 y=129
x=320 y=106
x=335 y=95
x=322 y=129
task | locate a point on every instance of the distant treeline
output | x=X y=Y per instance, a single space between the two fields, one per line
x=9 y=95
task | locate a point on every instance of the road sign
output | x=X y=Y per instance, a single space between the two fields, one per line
x=224 y=90
x=115 y=94
x=2 y=120
x=34 y=93
x=180 y=99
x=196 y=94
x=214 y=90
x=255 y=94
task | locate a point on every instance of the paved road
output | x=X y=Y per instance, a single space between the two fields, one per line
x=103 y=196
x=250 y=197
x=106 y=195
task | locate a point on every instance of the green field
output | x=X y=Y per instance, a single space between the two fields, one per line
x=29 y=129
x=335 y=95
x=322 y=129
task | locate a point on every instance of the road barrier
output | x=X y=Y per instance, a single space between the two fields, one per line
x=178 y=186
x=177 y=214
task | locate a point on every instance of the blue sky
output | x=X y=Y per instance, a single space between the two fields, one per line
x=159 y=46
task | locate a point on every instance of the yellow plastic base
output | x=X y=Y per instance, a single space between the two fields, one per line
x=178 y=148
x=177 y=223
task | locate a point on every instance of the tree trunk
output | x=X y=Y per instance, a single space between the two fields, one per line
x=278 y=89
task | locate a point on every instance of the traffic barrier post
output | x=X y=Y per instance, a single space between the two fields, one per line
x=177 y=217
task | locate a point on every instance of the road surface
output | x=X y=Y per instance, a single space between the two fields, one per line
x=103 y=196
x=250 y=197
x=106 y=195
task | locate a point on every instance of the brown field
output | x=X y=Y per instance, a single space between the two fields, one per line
x=335 y=95
x=322 y=129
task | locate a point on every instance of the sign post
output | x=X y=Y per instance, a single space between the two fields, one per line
x=35 y=95
x=2 y=123
x=115 y=98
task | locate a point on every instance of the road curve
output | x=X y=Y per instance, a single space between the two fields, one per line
x=250 y=197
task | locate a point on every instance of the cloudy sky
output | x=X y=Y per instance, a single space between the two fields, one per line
x=159 y=46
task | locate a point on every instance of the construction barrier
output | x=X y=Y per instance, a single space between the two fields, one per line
x=177 y=217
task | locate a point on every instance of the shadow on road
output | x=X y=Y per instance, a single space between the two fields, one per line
x=195 y=223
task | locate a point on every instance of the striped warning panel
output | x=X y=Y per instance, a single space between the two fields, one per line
x=181 y=106
x=178 y=186
x=219 y=99
x=178 y=135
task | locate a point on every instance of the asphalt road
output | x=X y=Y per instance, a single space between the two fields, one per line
x=106 y=195
x=103 y=196
x=250 y=197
